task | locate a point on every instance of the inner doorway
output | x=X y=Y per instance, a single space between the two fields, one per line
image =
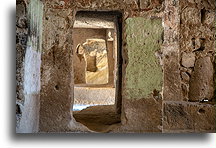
x=97 y=70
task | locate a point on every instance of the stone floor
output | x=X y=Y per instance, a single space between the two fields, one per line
x=98 y=118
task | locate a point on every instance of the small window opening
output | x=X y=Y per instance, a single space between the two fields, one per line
x=96 y=60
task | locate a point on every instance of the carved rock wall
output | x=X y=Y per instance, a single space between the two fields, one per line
x=21 y=43
x=167 y=80
x=29 y=17
x=196 y=110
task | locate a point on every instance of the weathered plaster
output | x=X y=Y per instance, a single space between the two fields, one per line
x=31 y=75
x=143 y=72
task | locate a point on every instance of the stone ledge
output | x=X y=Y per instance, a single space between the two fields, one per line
x=186 y=116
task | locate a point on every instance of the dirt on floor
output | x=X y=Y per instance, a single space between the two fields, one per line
x=101 y=118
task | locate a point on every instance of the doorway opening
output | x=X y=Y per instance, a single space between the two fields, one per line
x=97 y=69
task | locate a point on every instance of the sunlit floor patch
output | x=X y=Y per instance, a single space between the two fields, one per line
x=99 y=118
x=78 y=107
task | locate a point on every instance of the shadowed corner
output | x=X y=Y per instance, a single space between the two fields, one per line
x=115 y=137
x=12 y=70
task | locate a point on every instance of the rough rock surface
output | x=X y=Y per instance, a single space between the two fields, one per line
x=94 y=95
x=201 y=84
x=29 y=61
x=99 y=118
x=182 y=28
x=143 y=72
x=197 y=39
x=80 y=35
x=56 y=76
x=143 y=115
x=21 y=43
x=188 y=59
x=56 y=60
x=95 y=55
x=170 y=50
x=188 y=117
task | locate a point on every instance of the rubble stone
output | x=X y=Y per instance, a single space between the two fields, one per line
x=188 y=59
x=202 y=84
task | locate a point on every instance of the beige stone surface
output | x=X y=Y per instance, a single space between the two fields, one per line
x=94 y=95
x=143 y=115
x=201 y=83
x=79 y=63
x=99 y=118
x=172 y=78
x=94 y=52
x=187 y=57
x=188 y=117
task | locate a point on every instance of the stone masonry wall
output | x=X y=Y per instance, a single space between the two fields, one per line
x=194 y=111
x=167 y=70
x=56 y=94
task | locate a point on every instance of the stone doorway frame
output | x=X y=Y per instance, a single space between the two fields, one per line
x=56 y=92
x=118 y=82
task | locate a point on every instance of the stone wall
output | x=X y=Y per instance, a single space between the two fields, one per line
x=94 y=95
x=21 y=43
x=193 y=110
x=167 y=72
x=56 y=91
x=143 y=75
x=56 y=94
x=29 y=62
